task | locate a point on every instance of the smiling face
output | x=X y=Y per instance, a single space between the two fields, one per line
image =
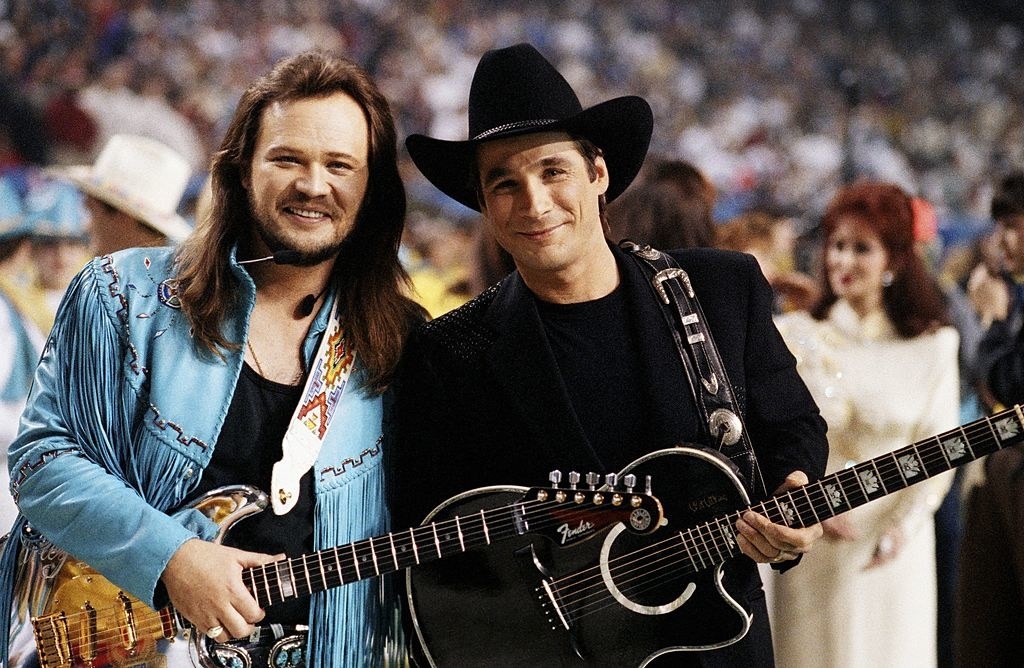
x=540 y=197
x=309 y=175
x=855 y=260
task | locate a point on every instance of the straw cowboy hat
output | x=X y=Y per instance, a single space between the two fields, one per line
x=141 y=177
x=516 y=91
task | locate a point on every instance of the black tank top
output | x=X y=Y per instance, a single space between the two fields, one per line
x=248 y=446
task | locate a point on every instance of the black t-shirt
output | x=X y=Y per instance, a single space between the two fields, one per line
x=248 y=447
x=599 y=360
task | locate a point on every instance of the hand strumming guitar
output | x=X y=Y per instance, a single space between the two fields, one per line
x=769 y=543
x=204 y=582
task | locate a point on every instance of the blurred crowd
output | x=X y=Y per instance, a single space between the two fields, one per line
x=778 y=102
x=762 y=112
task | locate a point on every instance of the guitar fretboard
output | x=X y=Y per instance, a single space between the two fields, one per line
x=542 y=511
x=713 y=542
x=301 y=576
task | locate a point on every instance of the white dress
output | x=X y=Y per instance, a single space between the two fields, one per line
x=878 y=393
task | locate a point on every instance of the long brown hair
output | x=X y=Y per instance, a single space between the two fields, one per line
x=369 y=275
x=913 y=302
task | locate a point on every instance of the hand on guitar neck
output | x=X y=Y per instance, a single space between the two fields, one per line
x=769 y=543
x=81 y=620
x=204 y=582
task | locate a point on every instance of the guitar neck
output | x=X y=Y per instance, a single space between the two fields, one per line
x=834 y=494
x=854 y=486
x=318 y=571
x=566 y=515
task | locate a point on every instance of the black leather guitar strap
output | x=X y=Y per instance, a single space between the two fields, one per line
x=714 y=396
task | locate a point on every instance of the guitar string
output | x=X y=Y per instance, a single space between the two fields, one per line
x=667 y=563
x=447 y=531
x=673 y=564
x=805 y=492
x=882 y=461
x=153 y=622
x=369 y=549
x=931 y=455
x=668 y=572
x=590 y=580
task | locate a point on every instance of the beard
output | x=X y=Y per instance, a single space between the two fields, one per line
x=275 y=241
x=305 y=257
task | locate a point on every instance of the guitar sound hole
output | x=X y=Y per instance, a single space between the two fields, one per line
x=654 y=584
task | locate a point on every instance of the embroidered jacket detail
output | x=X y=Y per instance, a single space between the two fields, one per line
x=114 y=288
x=354 y=462
x=25 y=469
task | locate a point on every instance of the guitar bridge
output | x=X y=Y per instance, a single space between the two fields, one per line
x=53 y=644
x=549 y=603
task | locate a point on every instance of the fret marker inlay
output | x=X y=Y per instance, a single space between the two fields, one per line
x=910 y=466
x=955 y=448
x=869 y=480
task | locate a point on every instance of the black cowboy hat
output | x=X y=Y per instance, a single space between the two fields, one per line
x=516 y=91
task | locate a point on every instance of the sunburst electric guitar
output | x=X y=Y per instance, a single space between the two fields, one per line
x=68 y=616
x=628 y=600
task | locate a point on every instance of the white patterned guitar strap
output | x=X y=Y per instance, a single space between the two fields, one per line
x=308 y=427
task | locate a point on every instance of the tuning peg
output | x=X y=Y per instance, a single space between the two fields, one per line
x=593 y=479
x=629 y=480
x=647 y=486
x=574 y=479
x=555 y=477
x=611 y=480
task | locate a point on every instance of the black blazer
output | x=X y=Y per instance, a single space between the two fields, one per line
x=481 y=402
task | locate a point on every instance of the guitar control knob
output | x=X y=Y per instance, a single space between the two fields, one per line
x=574 y=479
x=555 y=477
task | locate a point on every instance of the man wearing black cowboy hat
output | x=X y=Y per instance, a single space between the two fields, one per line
x=570 y=364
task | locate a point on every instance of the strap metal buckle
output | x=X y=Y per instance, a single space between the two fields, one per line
x=670 y=274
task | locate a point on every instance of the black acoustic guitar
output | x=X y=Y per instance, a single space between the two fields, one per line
x=626 y=600
x=79 y=619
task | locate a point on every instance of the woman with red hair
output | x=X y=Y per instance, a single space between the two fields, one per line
x=880 y=358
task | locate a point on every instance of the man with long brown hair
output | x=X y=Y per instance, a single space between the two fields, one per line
x=259 y=352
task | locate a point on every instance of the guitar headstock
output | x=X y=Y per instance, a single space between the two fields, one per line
x=569 y=515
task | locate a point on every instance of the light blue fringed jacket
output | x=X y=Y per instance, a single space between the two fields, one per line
x=122 y=421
